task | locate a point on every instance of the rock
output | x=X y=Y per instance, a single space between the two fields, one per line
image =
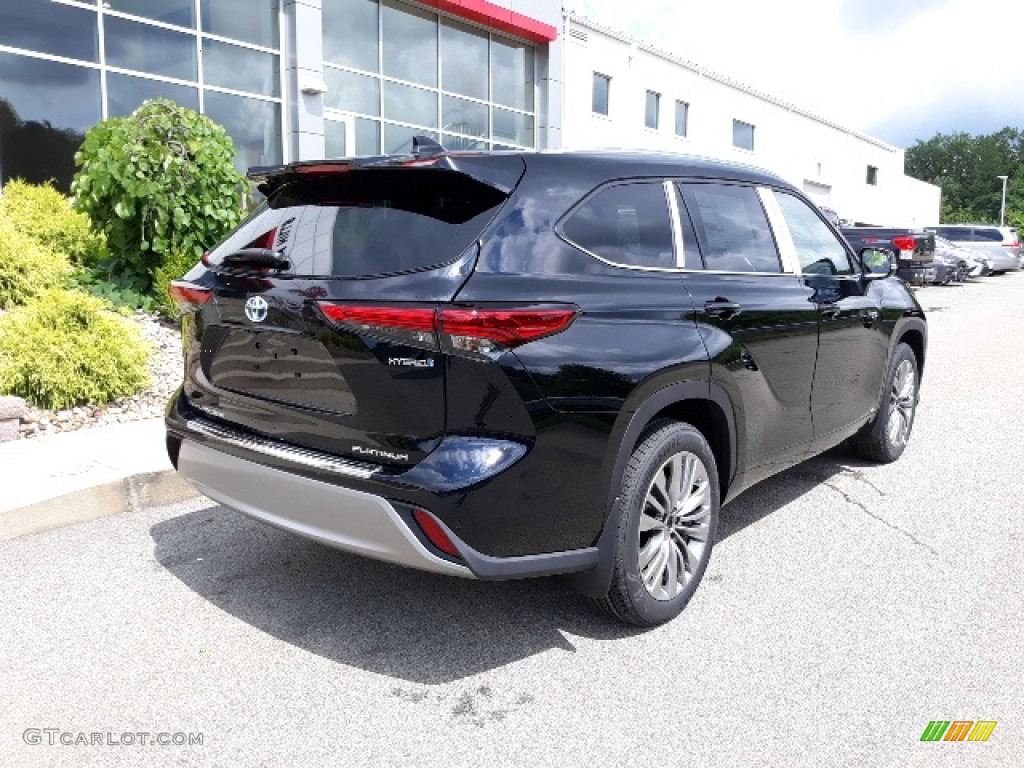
x=12 y=408
x=63 y=416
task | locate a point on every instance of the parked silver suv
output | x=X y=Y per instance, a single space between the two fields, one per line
x=1002 y=244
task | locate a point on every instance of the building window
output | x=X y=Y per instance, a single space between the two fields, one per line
x=394 y=72
x=742 y=135
x=221 y=57
x=602 y=87
x=651 y=109
x=682 y=117
x=872 y=176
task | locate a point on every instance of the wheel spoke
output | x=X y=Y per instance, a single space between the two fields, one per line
x=650 y=523
x=676 y=487
x=650 y=549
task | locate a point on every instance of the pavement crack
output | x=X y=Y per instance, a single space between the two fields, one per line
x=850 y=500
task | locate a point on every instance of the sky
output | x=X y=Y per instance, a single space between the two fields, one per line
x=899 y=70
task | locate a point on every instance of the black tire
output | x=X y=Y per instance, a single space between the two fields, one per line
x=875 y=442
x=629 y=598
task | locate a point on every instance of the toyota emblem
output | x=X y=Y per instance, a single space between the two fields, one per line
x=256 y=309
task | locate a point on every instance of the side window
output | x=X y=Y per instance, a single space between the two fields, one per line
x=732 y=228
x=625 y=224
x=819 y=251
x=988 y=235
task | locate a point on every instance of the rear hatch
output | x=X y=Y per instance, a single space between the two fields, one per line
x=313 y=322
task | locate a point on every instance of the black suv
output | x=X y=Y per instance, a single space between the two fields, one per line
x=501 y=365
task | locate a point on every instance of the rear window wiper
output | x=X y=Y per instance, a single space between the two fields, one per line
x=255 y=258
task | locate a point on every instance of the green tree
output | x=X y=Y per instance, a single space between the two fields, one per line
x=967 y=168
x=157 y=182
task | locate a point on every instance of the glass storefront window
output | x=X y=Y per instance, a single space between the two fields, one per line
x=463 y=60
x=351 y=33
x=335 y=140
x=398 y=138
x=512 y=74
x=461 y=143
x=45 y=109
x=145 y=48
x=367 y=137
x=125 y=93
x=241 y=69
x=410 y=105
x=513 y=126
x=352 y=92
x=254 y=126
x=462 y=116
x=251 y=21
x=47 y=27
x=410 y=43
x=179 y=12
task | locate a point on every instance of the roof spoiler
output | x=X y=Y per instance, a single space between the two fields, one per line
x=502 y=172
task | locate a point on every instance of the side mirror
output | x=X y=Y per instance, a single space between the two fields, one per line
x=878 y=263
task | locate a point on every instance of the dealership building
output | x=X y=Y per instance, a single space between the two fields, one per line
x=303 y=79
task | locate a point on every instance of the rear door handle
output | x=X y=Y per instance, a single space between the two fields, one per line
x=830 y=311
x=722 y=308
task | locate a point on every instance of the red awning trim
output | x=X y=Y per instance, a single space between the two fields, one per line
x=497 y=18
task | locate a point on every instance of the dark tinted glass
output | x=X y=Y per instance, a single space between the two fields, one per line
x=742 y=135
x=351 y=33
x=732 y=228
x=602 y=86
x=377 y=222
x=125 y=93
x=48 y=27
x=238 y=68
x=180 y=12
x=961 y=234
x=988 y=235
x=149 y=49
x=819 y=251
x=626 y=224
x=45 y=110
x=252 y=21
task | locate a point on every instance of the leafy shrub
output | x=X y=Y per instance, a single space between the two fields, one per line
x=26 y=267
x=44 y=214
x=118 y=296
x=64 y=349
x=159 y=181
x=176 y=265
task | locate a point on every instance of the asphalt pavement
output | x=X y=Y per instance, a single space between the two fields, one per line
x=845 y=607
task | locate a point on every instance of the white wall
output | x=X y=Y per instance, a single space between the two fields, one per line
x=814 y=155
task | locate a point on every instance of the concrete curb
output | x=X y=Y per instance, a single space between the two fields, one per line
x=131 y=494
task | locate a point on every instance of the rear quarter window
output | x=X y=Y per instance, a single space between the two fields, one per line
x=626 y=224
x=988 y=235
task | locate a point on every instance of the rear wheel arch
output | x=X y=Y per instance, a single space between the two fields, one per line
x=915 y=339
x=707 y=408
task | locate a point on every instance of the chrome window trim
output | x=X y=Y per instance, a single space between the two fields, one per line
x=678 y=243
x=780 y=228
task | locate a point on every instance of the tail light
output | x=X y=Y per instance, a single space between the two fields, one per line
x=435 y=532
x=479 y=332
x=1011 y=245
x=188 y=297
x=905 y=243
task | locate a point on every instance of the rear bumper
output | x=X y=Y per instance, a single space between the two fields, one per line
x=331 y=514
x=355 y=506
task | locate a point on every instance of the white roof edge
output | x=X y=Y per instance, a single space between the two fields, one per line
x=583 y=21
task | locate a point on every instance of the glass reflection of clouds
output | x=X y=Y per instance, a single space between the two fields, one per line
x=459 y=462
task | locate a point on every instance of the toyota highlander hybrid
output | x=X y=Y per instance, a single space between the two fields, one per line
x=504 y=365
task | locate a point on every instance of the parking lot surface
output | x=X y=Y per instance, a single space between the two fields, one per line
x=846 y=606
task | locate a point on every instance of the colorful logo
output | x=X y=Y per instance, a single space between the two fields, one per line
x=958 y=730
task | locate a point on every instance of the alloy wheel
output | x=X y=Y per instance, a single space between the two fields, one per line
x=674 y=525
x=902 y=399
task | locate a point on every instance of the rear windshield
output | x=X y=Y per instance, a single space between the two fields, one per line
x=369 y=222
